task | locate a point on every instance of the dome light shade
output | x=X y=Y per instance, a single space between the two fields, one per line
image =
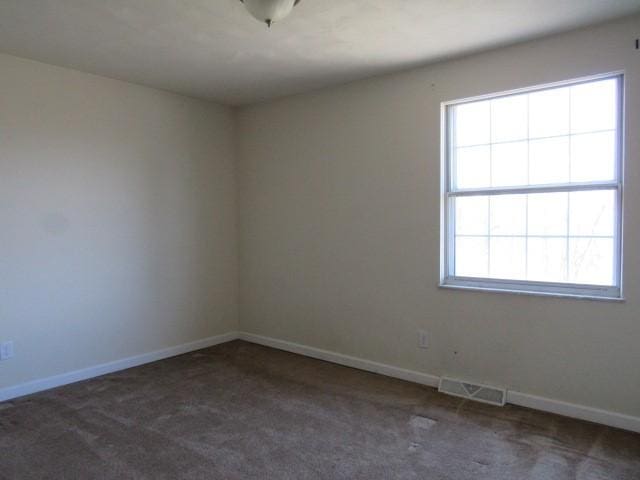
x=269 y=11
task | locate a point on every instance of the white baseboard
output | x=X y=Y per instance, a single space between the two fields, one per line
x=346 y=360
x=605 y=417
x=71 y=377
x=582 y=412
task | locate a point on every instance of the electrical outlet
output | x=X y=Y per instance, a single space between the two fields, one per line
x=423 y=339
x=6 y=350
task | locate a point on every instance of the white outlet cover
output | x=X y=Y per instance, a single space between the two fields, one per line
x=6 y=350
x=423 y=339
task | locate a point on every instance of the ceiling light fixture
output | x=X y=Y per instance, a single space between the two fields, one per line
x=270 y=11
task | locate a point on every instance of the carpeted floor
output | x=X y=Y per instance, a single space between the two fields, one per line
x=242 y=411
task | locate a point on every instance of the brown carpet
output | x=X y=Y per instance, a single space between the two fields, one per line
x=242 y=411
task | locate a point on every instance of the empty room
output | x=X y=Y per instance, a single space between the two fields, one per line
x=320 y=239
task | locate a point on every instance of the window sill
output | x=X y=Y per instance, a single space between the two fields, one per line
x=491 y=289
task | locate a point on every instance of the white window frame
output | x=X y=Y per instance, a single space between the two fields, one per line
x=448 y=279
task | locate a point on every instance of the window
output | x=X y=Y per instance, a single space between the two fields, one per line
x=532 y=190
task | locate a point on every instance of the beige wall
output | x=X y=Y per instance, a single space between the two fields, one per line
x=339 y=201
x=117 y=220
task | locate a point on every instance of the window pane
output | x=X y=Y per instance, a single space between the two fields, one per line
x=547 y=214
x=593 y=157
x=472 y=256
x=549 y=113
x=472 y=167
x=591 y=261
x=592 y=213
x=509 y=164
x=472 y=124
x=509 y=118
x=549 y=161
x=472 y=216
x=547 y=259
x=593 y=106
x=508 y=258
x=508 y=215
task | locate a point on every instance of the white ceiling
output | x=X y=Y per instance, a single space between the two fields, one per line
x=214 y=49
